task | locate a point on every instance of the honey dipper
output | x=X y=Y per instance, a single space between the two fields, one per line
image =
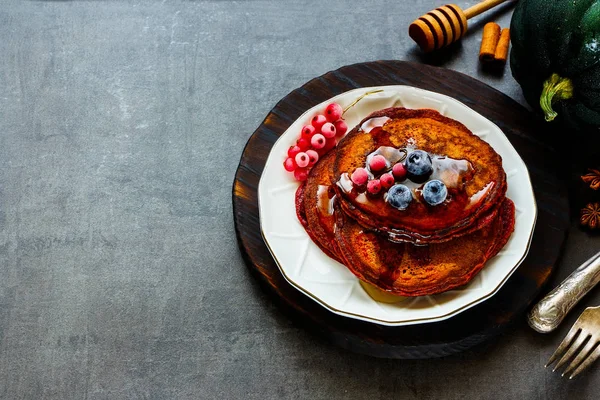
x=445 y=24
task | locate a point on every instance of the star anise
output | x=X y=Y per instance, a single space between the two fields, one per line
x=590 y=215
x=593 y=178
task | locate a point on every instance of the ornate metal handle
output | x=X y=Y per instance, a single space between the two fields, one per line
x=552 y=309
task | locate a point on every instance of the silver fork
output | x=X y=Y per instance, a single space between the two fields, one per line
x=582 y=341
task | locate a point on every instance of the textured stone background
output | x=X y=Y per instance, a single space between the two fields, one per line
x=121 y=125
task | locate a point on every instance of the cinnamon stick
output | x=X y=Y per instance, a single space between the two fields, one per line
x=501 y=53
x=489 y=41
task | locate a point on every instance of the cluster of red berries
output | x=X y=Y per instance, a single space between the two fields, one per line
x=377 y=164
x=315 y=141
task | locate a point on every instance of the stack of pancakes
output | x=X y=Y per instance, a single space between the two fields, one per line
x=423 y=249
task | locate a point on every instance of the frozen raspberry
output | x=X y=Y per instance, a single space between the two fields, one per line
x=289 y=164
x=359 y=176
x=313 y=157
x=308 y=131
x=377 y=163
x=399 y=172
x=293 y=150
x=340 y=127
x=318 y=121
x=300 y=174
x=328 y=130
x=303 y=143
x=387 y=180
x=318 y=141
x=374 y=186
x=333 y=112
x=302 y=159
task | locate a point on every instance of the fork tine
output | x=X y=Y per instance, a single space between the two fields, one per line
x=564 y=344
x=571 y=350
x=587 y=362
x=589 y=346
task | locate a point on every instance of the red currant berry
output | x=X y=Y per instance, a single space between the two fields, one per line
x=333 y=112
x=359 y=176
x=329 y=144
x=289 y=164
x=303 y=143
x=377 y=163
x=308 y=131
x=313 y=157
x=374 y=186
x=340 y=127
x=328 y=130
x=399 y=171
x=300 y=174
x=302 y=159
x=387 y=180
x=318 y=141
x=293 y=150
x=318 y=121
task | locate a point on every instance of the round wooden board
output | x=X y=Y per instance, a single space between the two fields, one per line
x=430 y=340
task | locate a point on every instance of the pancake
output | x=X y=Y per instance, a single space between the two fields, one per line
x=408 y=270
x=314 y=205
x=469 y=167
x=424 y=249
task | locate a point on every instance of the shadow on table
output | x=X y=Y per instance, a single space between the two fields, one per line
x=437 y=58
x=476 y=27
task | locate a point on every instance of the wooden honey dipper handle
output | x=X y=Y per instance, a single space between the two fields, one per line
x=445 y=24
x=481 y=7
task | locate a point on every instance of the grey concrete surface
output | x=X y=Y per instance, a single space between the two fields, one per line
x=121 y=125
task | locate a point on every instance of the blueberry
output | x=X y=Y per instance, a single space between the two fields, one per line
x=419 y=166
x=399 y=196
x=434 y=192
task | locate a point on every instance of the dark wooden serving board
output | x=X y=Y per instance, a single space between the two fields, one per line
x=425 y=340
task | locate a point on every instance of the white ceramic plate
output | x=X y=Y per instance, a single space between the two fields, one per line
x=330 y=283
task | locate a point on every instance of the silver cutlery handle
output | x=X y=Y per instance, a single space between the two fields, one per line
x=552 y=309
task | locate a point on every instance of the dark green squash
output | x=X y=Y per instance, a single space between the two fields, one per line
x=555 y=57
